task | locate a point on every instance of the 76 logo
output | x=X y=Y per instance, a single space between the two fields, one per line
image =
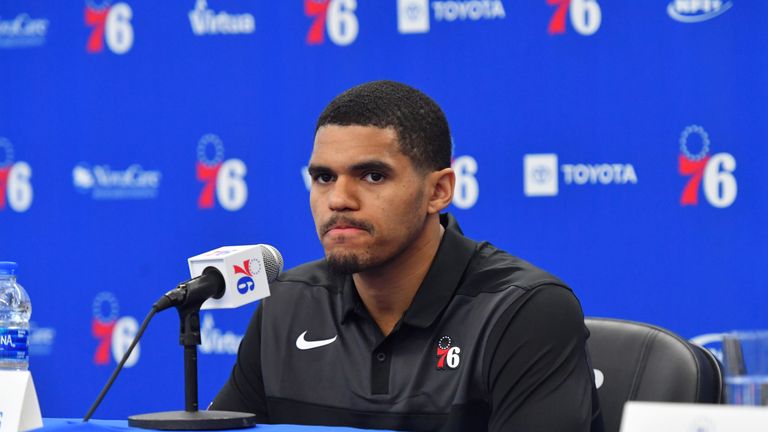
x=585 y=16
x=114 y=333
x=716 y=172
x=110 y=23
x=225 y=177
x=336 y=16
x=447 y=355
x=15 y=188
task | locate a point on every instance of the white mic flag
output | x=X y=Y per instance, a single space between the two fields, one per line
x=247 y=272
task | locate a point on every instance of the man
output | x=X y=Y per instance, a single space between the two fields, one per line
x=407 y=324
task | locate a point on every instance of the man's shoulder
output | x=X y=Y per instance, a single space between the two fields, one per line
x=494 y=270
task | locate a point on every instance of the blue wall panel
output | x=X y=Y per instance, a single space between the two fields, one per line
x=608 y=100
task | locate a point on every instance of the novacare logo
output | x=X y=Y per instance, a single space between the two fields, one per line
x=23 y=31
x=104 y=182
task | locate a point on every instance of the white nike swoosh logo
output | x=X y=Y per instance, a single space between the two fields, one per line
x=304 y=344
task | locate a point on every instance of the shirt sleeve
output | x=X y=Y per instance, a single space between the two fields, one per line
x=538 y=373
x=244 y=391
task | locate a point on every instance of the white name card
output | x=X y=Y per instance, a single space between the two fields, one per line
x=683 y=417
x=19 y=409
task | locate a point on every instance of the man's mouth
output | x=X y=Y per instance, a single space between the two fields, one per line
x=336 y=226
x=343 y=230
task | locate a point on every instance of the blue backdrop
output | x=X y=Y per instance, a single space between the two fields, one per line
x=618 y=145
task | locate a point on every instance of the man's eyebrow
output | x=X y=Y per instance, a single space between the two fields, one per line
x=317 y=169
x=371 y=165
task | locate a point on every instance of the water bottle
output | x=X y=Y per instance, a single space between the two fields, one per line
x=15 y=309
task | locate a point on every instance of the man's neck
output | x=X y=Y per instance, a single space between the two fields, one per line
x=388 y=291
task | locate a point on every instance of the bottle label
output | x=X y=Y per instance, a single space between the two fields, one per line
x=13 y=344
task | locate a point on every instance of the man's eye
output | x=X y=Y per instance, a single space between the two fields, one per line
x=323 y=178
x=374 y=177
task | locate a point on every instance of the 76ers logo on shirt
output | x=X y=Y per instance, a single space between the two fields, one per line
x=249 y=268
x=447 y=355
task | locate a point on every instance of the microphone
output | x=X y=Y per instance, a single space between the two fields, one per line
x=227 y=277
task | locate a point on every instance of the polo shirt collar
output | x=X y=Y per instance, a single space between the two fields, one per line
x=439 y=285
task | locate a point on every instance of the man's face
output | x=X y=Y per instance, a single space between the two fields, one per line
x=368 y=201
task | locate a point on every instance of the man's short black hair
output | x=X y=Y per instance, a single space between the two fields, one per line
x=421 y=127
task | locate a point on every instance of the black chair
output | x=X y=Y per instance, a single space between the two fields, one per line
x=641 y=362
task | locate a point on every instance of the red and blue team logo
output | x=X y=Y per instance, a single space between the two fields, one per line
x=6 y=162
x=113 y=332
x=223 y=178
x=447 y=355
x=337 y=17
x=585 y=16
x=713 y=172
x=249 y=269
x=111 y=24
x=15 y=187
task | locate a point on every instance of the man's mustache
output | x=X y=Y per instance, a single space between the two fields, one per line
x=337 y=221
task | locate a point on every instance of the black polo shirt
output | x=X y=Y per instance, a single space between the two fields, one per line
x=490 y=342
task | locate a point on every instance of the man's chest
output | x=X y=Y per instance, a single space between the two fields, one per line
x=311 y=355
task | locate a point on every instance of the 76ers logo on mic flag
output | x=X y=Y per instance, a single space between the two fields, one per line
x=447 y=355
x=249 y=268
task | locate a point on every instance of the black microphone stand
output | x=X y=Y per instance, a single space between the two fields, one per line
x=191 y=418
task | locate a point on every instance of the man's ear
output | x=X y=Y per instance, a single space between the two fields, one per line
x=441 y=187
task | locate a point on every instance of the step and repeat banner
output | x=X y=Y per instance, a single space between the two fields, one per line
x=619 y=145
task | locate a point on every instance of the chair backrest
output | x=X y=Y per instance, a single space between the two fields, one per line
x=636 y=361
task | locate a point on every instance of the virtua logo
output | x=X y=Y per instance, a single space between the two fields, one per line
x=542 y=178
x=41 y=339
x=692 y=11
x=215 y=340
x=205 y=21
x=23 y=31
x=413 y=15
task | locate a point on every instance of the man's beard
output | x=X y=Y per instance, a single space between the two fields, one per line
x=350 y=263
x=345 y=264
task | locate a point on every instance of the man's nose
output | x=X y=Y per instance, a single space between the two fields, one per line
x=343 y=195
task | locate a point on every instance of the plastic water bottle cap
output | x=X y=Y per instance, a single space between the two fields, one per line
x=8 y=268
